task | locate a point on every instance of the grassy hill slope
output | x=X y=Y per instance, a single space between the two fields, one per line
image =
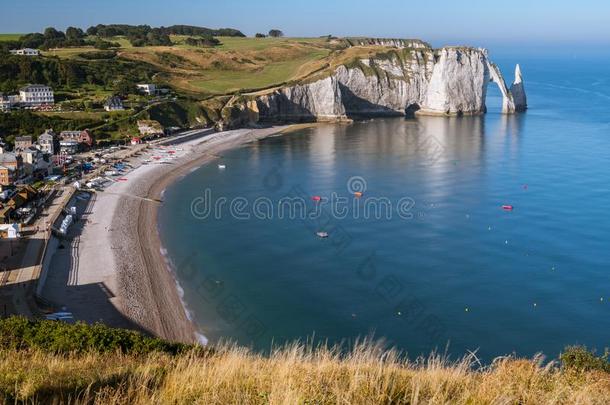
x=238 y=63
x=51 y=362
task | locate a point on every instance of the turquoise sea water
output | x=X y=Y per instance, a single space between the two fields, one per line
x=454 y=271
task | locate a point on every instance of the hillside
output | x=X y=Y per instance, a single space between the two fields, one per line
x=84 y=76
x=52 y=362
x=237 y=63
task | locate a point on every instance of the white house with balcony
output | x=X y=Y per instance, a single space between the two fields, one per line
x=149 y=89
x=35 y=95
x=25 y=52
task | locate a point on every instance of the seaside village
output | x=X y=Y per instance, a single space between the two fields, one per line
x=45 y=177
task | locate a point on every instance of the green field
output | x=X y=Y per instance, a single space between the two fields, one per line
x=10 y=37
x=259 y=44
x=226 y=81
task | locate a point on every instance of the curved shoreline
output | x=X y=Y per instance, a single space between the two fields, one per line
x=147 y=287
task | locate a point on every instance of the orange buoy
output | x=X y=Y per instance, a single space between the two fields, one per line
x=358 y=194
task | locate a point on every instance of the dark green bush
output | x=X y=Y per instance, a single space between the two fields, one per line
x=18 y=333
x=581 y=359
x=97 y=55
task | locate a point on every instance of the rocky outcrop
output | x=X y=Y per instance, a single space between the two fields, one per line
x=459 y=84
x=449 y=81
x=518 y=91
x=508 y=104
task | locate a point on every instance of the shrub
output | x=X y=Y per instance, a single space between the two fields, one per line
x=18 y=333
x=97 y=55
x=204 y=42
x=581 y=359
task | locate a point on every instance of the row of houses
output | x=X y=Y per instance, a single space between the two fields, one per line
x=31 y=159
x=32 y=95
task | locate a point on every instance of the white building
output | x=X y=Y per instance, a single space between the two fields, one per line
x=36 y=95
x=25 y=52
x=5 y=102
x=10 y=231
x=46 y=142
x=148 y=89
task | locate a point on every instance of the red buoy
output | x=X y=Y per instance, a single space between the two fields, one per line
x=507 y=207
x=316 y=198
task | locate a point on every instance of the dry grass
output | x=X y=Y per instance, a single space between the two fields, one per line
x=292 y=375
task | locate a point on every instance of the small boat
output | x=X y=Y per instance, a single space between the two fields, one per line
x=316 y=198
x=507 y=207
x=322 y=234
x=357 y=194
x=222 y=166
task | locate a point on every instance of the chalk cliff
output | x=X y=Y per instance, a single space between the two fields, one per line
x=406 y=80
x=518 y=91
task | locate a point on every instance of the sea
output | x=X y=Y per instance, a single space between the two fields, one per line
x=486 y=235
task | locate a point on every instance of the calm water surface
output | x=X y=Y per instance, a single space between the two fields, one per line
x=461 y=272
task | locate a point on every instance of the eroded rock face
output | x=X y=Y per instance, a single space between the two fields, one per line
x=459 y=82
x=518 y=91
x=381 y=87
x=320 y=100
x=449 y=81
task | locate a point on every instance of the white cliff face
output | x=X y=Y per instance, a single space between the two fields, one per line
x=318 y=100
x=452 y=81
x=518 y=91
x=385 y=87
x=459 y=83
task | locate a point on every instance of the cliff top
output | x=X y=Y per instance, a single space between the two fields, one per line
x=48 y=361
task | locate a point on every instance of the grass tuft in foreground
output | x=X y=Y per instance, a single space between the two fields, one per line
x=295 y=374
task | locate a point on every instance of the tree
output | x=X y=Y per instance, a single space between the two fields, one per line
x=259 y=35
x=52 y=33
x=124 y=87
x=74 y=33
x=276 y=33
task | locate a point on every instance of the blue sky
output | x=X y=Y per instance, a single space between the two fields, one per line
x=476 y=22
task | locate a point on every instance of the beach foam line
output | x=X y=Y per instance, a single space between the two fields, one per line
x=169 y=265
